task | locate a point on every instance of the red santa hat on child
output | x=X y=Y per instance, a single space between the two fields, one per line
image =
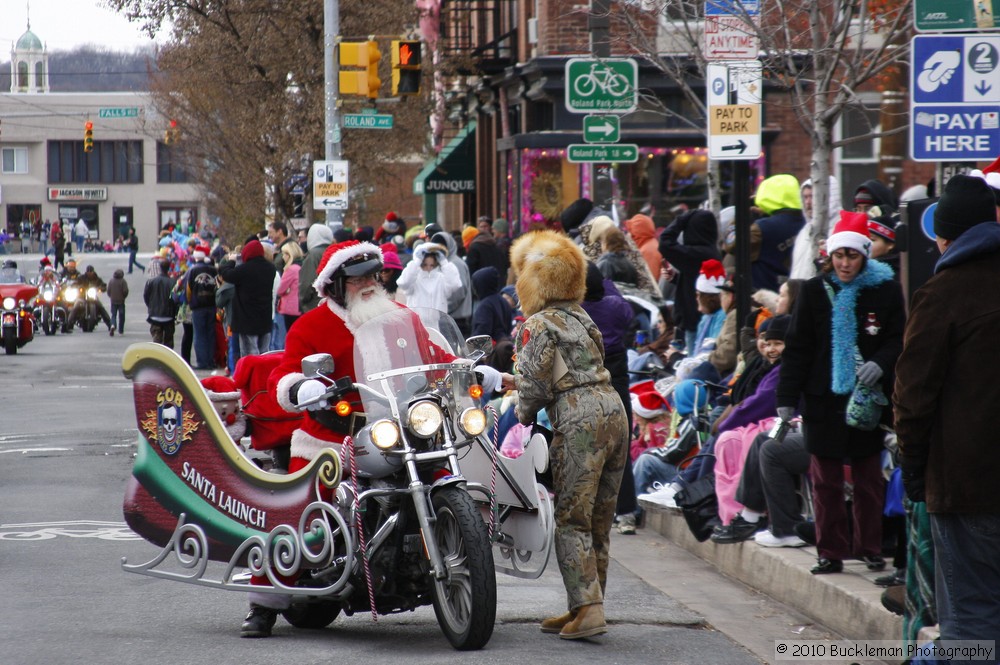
x=851 y=232
x=338 y=254
x=711 y=277
x=646 y=401
x=200 y=253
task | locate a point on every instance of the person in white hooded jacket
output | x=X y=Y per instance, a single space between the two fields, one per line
x=813 y=235
x=429 y=279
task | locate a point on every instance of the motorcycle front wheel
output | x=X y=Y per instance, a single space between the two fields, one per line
x=10 y=341
x=466 y=602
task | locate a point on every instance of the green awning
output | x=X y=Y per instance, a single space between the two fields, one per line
x=453 y=171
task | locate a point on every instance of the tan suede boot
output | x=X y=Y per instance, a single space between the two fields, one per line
x=555 y=624
x=589 y=621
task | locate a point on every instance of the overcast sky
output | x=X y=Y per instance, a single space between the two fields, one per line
x=65 y=24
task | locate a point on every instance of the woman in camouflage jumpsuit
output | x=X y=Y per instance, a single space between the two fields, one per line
x=560 y=368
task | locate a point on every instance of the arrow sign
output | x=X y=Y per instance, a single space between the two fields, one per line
x=601 y=128
x=588 y=153
x=740 y=146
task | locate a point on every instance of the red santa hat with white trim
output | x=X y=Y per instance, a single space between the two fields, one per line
x=337 y=255
x=711 y=277
x=646 y=401
x=851 y=232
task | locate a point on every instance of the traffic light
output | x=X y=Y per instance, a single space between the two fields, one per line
x=365 y=82
x=88 y=136
x=405 y=67
x=172 y=133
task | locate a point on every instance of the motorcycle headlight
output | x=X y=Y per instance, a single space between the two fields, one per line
x=473 y=421
x=425 y=418
x=48 y=296
x=92 y=292
x=385 y=434
x=9 y=303
x=71 y=294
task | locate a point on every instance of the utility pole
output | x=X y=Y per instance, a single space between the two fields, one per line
x=599 y=24
x=331 y=76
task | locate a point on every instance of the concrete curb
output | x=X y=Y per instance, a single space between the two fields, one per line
x=847 y=603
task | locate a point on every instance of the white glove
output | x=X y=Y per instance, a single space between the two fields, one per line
x=311 y=389
x=491 y=380
x=869 y=373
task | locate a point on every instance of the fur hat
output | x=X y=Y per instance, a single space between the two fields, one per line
x=711 y=277
x=851 y=232
x=550 y=268
x=336 y=255
x=966 y=202
x=646 y=401
x=599 y=227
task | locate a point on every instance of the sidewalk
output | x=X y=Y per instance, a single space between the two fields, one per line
x=847 y=603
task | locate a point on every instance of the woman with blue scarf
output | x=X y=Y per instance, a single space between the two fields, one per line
x=847 y=328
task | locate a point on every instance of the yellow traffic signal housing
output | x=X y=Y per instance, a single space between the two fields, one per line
x=406 y=59
x=172 y=134
x=88 y=136
x=365 y=82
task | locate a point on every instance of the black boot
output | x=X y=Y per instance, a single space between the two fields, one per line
x=259 y=622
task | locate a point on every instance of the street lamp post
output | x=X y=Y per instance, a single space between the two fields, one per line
x=331 y=74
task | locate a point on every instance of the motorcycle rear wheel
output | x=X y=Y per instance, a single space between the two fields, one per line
x=312 y=616
x=466 y=603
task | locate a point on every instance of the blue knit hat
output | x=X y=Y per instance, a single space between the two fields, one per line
x=690 y=395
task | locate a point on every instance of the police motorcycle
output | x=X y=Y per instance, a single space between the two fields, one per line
x=50 y=309
x=17 y=323
x=412 y=511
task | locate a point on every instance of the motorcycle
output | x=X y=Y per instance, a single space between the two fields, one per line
x=82 y=305
x=417 y=508
x=50 y=311
x=17 y=323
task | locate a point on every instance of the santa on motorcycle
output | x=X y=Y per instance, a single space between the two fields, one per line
x=349 y=283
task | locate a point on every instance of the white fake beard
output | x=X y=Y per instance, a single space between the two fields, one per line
x=361 y=310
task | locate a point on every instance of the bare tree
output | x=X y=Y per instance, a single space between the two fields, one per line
x=244 y=79
x=817 y=55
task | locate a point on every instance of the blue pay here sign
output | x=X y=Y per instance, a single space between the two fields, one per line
x=955 y=133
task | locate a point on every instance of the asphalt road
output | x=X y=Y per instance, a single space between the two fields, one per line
x=67 y=438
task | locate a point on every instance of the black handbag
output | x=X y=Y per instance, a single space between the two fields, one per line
x=699 y=504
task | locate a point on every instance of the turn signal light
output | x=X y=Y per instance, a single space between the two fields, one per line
x=343 y=408
x=476 y=391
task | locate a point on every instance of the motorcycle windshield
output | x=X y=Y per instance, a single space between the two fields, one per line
x=403 y=343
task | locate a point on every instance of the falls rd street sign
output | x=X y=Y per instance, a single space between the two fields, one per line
x=607 y=85
x=601 y=129
x=330 y=185
x=589 y=153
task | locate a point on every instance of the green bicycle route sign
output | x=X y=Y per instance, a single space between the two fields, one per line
x=605 y=85
x=589 y=153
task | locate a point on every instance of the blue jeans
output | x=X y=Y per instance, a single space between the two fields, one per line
x=118 y=317
x=648 y=468
x=254 y=345
x=133 y=262
x=967 y=576
x=203 y=320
